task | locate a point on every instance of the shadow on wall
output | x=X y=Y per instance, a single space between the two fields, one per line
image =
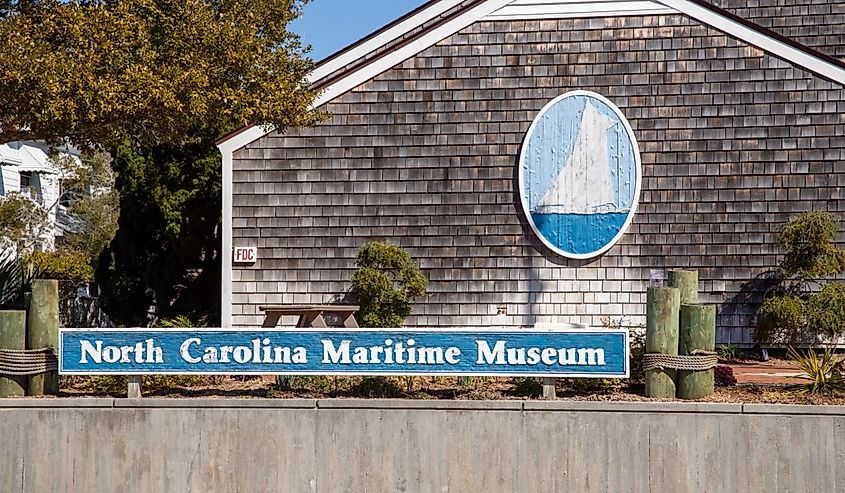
x=536 y=282
x=736 y=314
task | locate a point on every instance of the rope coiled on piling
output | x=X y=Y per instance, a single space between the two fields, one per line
x=26 y=362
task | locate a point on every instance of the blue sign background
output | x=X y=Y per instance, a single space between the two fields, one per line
x=614 y=343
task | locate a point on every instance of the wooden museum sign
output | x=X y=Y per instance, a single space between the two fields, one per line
x=408 y=351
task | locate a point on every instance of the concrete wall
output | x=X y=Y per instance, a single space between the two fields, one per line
x=734 y=143
x=224 y=445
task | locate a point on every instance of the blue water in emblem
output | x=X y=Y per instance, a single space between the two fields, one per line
x=580 y=233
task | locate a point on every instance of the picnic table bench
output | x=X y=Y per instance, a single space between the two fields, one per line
x=311 y=315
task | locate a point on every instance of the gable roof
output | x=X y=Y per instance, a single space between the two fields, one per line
x=819 y=24
x=439 y=19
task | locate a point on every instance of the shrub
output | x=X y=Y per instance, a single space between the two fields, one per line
x=803 y=308
x=377 y=387
x=527 y=387
x=729 y=353
x=636 y=344
x=117 y=384
x=181 y=322
x=595 y=384
x=823 y=373
x=724 y=376
x=387 y=282
x=64 y=265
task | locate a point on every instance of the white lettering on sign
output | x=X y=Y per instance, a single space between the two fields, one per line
x=500 y=354
x=259 y=351
x=390 y=353
x=245 y=255
x=141 y=352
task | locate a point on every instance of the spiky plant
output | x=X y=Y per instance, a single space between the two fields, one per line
x=822 y=373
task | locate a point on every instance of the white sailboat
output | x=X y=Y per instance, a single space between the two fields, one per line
x=583 y=185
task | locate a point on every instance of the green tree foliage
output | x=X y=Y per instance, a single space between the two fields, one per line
x=154 y=83
x=99 y=71
x=387 y=282
x=93 y=204
x=23 y=224
x=805 y=308
x=64 y=265
x=166 y=251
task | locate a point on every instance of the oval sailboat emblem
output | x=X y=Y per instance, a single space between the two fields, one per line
x=580 y=175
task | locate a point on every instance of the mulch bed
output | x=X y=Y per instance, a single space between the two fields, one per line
x=440 y=388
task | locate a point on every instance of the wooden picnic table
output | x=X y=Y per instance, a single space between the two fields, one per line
x=310 y=315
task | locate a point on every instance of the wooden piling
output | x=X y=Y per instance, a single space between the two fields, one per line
x=43 y=331
x=662 y=306
x=697 y=332
x=12 y=336
x=687 y=282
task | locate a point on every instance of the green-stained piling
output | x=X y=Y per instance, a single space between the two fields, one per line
x=12 y=336
x=43 y=331
x=698 y=333
x=662 y=307
x=687 y=282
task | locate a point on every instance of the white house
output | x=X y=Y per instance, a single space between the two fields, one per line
x=26 y=168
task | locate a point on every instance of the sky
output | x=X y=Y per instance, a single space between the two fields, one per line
x=330 y=25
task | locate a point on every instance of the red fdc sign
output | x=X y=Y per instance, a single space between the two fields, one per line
x=245 y=255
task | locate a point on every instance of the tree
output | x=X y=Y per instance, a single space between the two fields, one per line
x=154 y=82
x=166 y=252
x=99 y=71
x=387 y=282
x=90 y=203
x=23 y=224
x=805 y=307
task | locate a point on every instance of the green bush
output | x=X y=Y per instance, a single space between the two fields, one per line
x=527 y=387
x=804 y=308
x=116 y=385
x=387 y=282
x=64 y=265
x=377 y=387
x=581 y=385
x=729 y=353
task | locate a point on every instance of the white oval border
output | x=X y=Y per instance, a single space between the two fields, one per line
x=637 y=162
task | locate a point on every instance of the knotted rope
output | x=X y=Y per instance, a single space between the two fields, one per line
x=698 y=361
x=25 y=362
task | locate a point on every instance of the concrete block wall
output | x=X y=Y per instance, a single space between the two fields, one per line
x=269 y=445
x=734 y=142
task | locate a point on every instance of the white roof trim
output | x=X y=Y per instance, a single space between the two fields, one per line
x=379 y=65
x=563 y=9
x=395 y=32
x=490 y=9
x=766 y=43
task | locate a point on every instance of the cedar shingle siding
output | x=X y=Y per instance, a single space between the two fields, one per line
x=734 y=142
x=819 y=24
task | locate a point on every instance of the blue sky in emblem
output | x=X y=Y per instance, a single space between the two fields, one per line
x=553 y=140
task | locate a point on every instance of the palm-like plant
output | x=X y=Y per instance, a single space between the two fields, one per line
x=15 y=280
x=823 y=373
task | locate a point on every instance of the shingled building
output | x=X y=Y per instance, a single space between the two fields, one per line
x=737 y=107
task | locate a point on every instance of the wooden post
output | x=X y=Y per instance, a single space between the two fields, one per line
x=687 y=282
x=698 y=332
x=43 y=331
x=662 y=306
x=134 y=388
x=12 y=336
